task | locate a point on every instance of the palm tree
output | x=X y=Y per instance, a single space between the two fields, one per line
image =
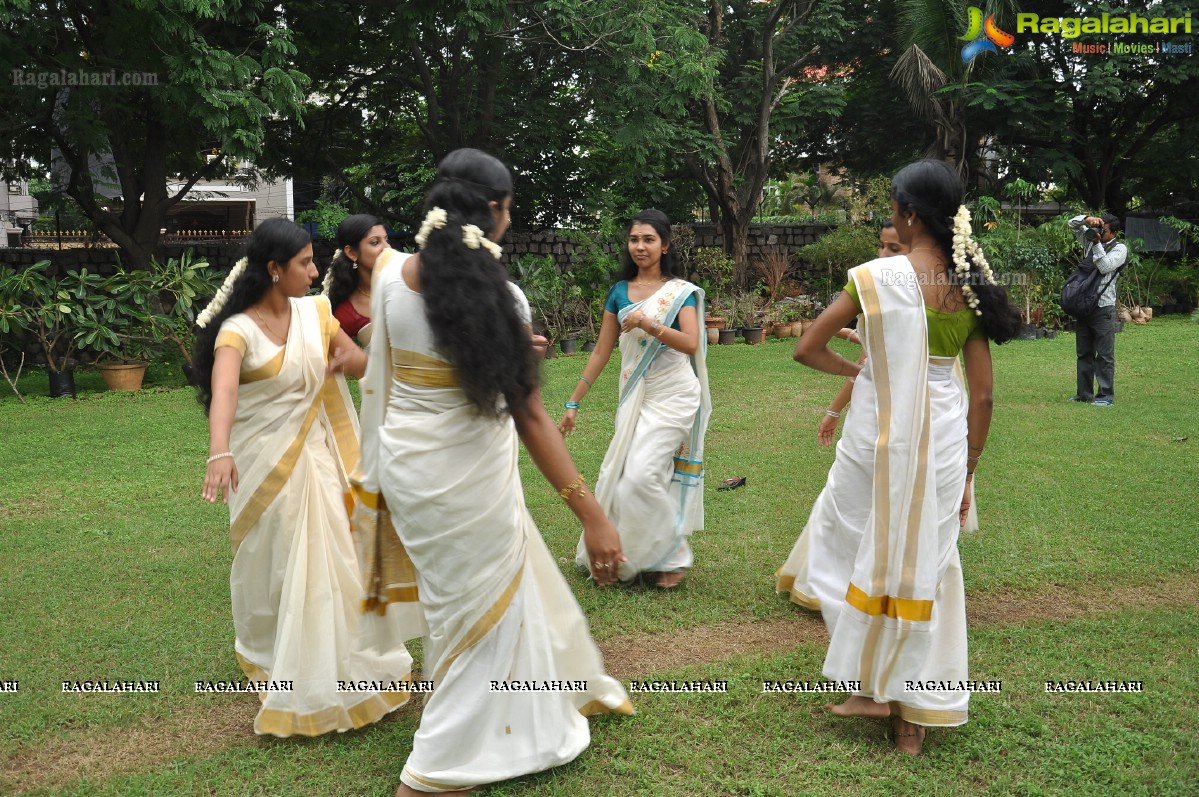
x=930 y=32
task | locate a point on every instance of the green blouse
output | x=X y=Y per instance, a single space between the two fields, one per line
x=947 y=331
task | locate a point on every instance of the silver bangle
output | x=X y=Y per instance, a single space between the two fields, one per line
x=832 y=414
x=215 y=457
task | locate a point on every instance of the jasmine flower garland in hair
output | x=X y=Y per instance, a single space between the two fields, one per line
x=435 y=220
x=473 y=237
x=965 y=249
x=327 y=282
x=222 y=295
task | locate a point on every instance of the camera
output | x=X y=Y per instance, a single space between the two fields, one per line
x=1093 y=232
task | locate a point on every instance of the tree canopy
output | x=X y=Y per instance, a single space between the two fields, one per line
x=598 y=107
x=126 y=97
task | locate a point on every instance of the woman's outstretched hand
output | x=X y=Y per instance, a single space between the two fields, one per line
x=567 y=424
x=602 y=542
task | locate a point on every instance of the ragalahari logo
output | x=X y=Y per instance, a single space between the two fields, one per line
x=982 y=36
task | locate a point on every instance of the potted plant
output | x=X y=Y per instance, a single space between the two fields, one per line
x=714 y=274
x=809 y=308
x=124 y=328
x=52 y=310
x=746 y=314
x=786 y=318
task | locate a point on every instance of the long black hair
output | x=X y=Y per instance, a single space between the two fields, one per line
x=274 y=239
x=661 y=224
x=933 y=191
x=350 y=233
x=470 y=307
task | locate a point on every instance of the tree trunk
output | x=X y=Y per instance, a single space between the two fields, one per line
x=736 y=244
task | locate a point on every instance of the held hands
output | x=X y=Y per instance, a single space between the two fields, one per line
x=220 y=476
x=602 y=542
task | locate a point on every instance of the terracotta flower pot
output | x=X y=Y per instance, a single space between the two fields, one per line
x=713 y=336
x=715 y=322
x=123 y=376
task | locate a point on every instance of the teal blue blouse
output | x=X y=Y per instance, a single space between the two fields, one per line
x=618 y=299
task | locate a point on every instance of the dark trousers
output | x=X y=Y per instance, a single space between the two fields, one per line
x=1095 y=344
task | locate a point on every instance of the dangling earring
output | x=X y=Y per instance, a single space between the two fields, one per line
x=354 y=265
x=274 y=278
x=909 y=221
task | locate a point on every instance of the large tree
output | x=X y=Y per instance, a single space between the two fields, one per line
x=723 y=84
x=397 y=86
x=1105 y=125
x=193 y=84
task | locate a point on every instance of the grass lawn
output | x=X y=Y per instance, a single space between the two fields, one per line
x=1085 y=567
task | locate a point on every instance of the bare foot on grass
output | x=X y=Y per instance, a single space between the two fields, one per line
x=670 y=580
x=858 y=706
x=909 y=737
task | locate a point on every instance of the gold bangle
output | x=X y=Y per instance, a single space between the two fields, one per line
x=566 y=493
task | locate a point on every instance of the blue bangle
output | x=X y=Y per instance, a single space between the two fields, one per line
x=571 y=405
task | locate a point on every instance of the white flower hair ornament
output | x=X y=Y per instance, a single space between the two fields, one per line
x=434 y=220
x=965 y=249
x=473 y=237
x=222 y=295
x=327 y=282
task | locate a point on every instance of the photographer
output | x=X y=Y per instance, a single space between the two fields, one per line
x=1096 y=332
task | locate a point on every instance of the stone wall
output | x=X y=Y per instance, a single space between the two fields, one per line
x=558 y=244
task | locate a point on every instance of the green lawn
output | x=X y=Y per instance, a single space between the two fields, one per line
x=114 y=568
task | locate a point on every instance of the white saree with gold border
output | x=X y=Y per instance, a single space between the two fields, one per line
x=295 y=579
x=651 y=482
x=878 y=556
x=497 y=609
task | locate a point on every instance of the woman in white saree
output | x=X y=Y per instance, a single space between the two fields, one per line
x=450 y=387
x=651 y=480
x=283 y=438
x=878 y=556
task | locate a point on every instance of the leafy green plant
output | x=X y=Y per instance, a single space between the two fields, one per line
x=743 y=311
x=124 y=326
x=53 y=309
x=786 y=312
x=714 y=273
x=327 y=215
x=834 y=254
x=181 y=285
x=555 y=301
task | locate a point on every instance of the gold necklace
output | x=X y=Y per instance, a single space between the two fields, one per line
x=660 y=279
x=268 y=326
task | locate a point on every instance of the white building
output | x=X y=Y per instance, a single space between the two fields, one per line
x=17 y=208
